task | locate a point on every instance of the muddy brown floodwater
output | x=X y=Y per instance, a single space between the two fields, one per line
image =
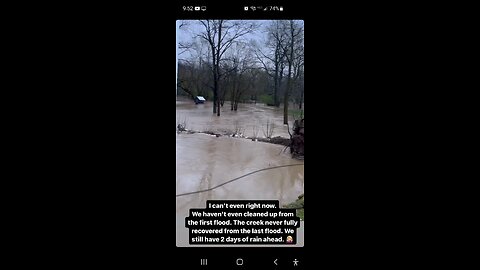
x=204 y=161
x=200 y=117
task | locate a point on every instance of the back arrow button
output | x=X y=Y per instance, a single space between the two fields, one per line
x=275 y=261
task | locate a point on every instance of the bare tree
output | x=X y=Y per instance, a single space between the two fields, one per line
x=220 y=35
x=194 y=71
x=294 y=33
x=183 y=46
x=272 y=58
x=241 y=73
x=298 y=65
x=185 y=81
x=268 y=131
x=252 y=81
x=255 y=131
x=200 y=53
x=238 y=129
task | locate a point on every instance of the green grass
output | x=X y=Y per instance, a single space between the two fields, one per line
x=267 y=99
x=299 y=205
x=296 y=113
x=300 y=214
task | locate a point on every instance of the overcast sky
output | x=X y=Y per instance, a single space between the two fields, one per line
x=193 y=28
x=187 y=33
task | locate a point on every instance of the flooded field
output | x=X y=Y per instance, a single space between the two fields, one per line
x=205 y=161
x=200 y=118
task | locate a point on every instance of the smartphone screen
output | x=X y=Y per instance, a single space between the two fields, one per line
x=240 y=101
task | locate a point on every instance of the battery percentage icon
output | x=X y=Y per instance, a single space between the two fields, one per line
x=281 y=8
x=197 y=8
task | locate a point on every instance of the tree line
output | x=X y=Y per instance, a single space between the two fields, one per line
x=243 y=61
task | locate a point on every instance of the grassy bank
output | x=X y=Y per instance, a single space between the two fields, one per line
x=299 y=205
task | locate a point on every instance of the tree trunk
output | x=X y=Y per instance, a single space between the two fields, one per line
x=301 y=100
x=215 y=95
x=289 y=79
x=289 y=86
x=275 y=82
x=215 y=81
x=285 y=104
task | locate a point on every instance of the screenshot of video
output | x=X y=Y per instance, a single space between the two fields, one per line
x=239 y=129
